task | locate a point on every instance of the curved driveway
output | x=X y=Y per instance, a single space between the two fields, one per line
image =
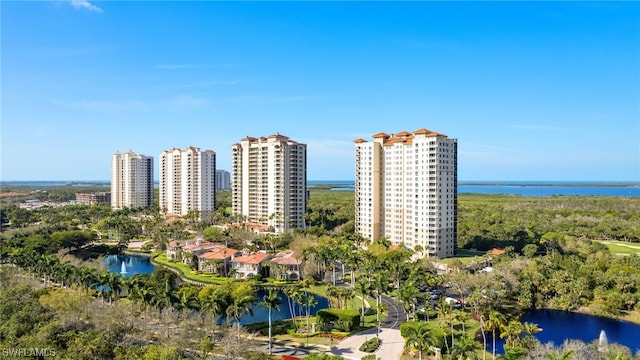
x=392 y=342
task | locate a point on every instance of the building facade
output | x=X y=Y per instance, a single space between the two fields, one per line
x=187 y=181
x=223 y=180
x=131 y=180
x=406 y=190
x=94 y=198
x=270 y=181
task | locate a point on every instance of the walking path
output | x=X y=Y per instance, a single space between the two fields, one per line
x=390 y=349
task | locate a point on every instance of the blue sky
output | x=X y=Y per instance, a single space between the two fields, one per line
x=532 y=91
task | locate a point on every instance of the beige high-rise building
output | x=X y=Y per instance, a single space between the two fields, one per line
x=131 y=180
x=406 y=190
x=187 y=181
x=270 y=181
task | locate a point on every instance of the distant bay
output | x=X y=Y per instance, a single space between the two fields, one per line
x=522 y=188
x=548 y=188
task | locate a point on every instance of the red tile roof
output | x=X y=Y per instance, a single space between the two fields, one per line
x=218 y=254
x=287 y=257
x=255 y=258
x=380 y=135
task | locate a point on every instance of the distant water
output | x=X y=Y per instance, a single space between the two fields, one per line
x=44 y=183
x=552 y=189
x=524 y=188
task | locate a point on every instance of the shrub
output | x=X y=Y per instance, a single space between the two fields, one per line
x=371 y=345
x=340 y=319
x=370 y=357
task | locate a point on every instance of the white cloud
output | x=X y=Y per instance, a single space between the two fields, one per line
x=83 y=4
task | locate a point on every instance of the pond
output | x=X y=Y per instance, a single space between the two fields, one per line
x=131 y=265
x=261 y=314
x=128 y=265
x=557 y=326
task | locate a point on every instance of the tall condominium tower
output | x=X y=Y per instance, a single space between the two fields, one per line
x=187 y=181
x=270 y=181
x=131 y=180
x=223 y=180
x=406 y=190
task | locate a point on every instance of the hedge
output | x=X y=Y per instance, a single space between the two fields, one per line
x=341 y=319
x=370 y=345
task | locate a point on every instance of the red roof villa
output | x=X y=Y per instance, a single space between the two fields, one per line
x=285 y=266
x=249 y=264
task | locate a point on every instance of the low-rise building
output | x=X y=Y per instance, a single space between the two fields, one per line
x=94 y=198
x=285 y=265
x=248 y=265
x=217 y=260
x=184 y=250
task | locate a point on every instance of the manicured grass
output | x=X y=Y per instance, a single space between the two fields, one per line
x=186 y=271
x=621 y=248
x=355 y=303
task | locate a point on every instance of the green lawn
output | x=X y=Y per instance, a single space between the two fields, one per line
x=186 y=271
x=621 y=248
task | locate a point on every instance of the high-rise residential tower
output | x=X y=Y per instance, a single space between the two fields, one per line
x=131 y=180
x=270 y=181
x=187 y=181
x=406 y=190
x=223 y=180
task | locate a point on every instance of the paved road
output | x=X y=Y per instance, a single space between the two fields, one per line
x=389 y=332
x=395 y=313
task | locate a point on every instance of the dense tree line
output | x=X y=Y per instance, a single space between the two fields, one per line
x=488 y=220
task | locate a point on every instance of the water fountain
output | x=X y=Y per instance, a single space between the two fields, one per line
x=123 y=269
x=603 y=344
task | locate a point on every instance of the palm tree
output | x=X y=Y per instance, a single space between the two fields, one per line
x=419 y=337
x=566 y=355
x=241 y=305
x=309 y=301
x=64 y=272
x=271 y=301
x=408 y=294
x=512 y=332
x=164 y=299
x=465 y=349
x=364 y=287
x=530 y=329
x=188 y=298
x=293 y=293
x=114 y=282
x=444 y=316
x=87 y=277
x=462 y=316
x=494 y=322
x=215 y=303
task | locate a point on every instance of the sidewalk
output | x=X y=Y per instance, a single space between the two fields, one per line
x=390 y=349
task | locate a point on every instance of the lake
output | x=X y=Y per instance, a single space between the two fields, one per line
x=557 y=326
x=132 y=265
x=141 y=265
